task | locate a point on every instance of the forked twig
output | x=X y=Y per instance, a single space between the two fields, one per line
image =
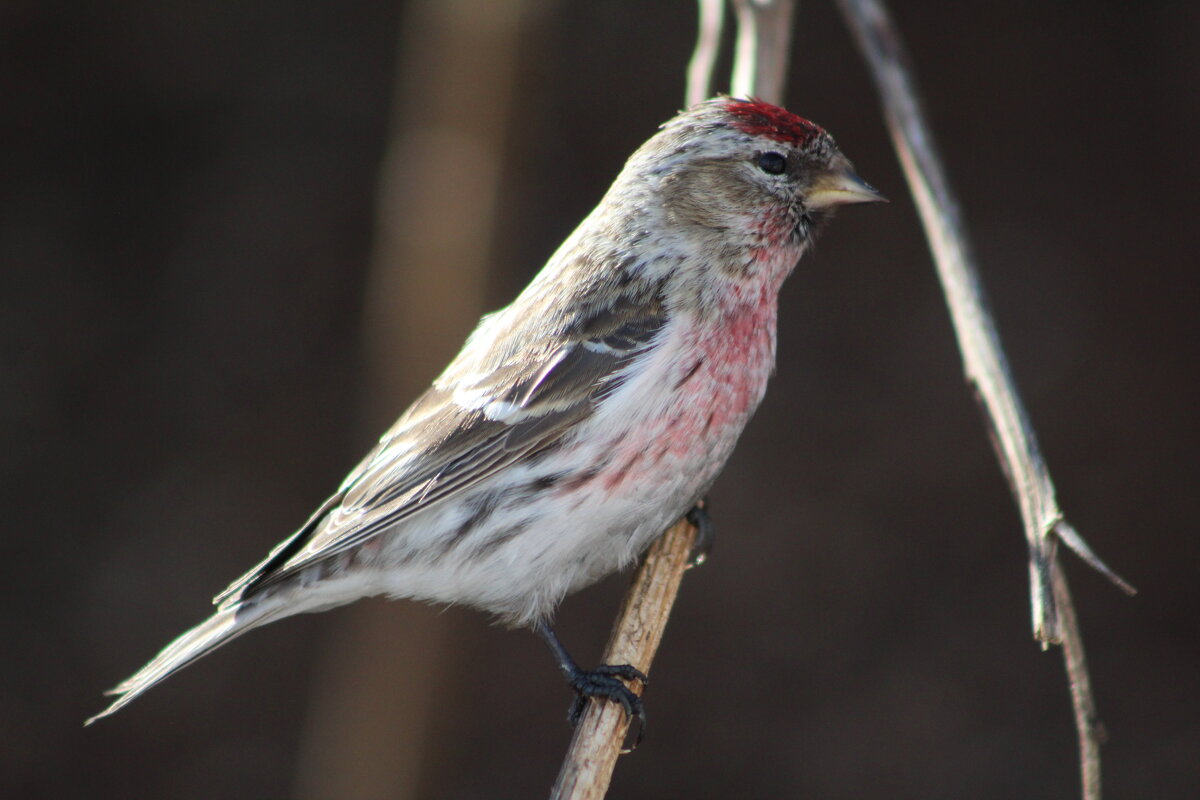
x=1013 y=437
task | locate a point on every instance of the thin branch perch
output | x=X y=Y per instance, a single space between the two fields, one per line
x=588 y=767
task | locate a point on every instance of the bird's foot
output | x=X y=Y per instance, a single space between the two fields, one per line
x=706 y=533
x=604 y=682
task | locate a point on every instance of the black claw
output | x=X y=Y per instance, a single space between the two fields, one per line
x=706 y=533
x=626 y=671
x=603 y=682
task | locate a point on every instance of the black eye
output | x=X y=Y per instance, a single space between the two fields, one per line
x=772 y=163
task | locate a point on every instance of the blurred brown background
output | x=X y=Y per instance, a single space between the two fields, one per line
x=190 y=364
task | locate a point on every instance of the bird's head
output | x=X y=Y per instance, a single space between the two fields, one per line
x=749 y=170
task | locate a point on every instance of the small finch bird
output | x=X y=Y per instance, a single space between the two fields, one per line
x=582 y=420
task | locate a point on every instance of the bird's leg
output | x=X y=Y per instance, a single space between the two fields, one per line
x=601 y=682
x=706 y=533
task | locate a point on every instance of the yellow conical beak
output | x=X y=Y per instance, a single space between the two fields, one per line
x=839 y=187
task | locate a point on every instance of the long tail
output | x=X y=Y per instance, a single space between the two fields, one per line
x=221 y=628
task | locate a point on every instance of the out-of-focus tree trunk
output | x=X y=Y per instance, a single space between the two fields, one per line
x=369 y=722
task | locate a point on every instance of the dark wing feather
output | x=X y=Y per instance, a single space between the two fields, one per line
x=440 y=448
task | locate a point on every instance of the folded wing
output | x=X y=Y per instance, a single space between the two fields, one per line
x=481 y=416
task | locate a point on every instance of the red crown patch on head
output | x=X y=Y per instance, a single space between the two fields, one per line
x=763 y=119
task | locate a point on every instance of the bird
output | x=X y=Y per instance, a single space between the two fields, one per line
x=581 y=420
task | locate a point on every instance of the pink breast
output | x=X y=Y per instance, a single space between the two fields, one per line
x=714 y=391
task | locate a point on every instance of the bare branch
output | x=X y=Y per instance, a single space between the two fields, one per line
x=983 y=360
x=639 y=629
x=704 y=57
x=764 y=43
x=1013 y=437
x=1087 y=722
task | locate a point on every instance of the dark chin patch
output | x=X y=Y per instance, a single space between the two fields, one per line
x=812 y=222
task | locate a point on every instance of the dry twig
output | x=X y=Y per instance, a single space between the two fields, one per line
x=587 y=770
x=764 y=42
x=704 y=57
x=1012 y=435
